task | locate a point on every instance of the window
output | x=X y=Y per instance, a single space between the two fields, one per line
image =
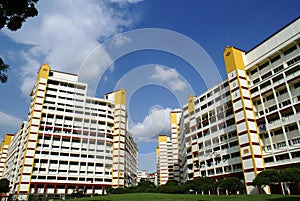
x=270 y=97
x=216 y=90
x=292 y=127
x=263 y=65
x=256 y=80
x=236 y=154
x=291 y=49
x=254 y=90
x=266 y=75
x=269 y=159
x=277 y=69
x=265 y=84
x=203 y=107
x=278 y=132
x=297 y=85
x=218 y=99
x=296 y=141
x=258 y=102
x=268 y=147
x=275 y=58
x=202 y=98
x=233 y=144
x=286 y=103
x=293 y=60
x=277 y=78
x=283 y=91
x=272 y=108
x=253 y=71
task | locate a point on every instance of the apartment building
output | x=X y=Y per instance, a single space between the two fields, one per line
x=164 y=160
x=71 y=141
x=14 y=162
x=4 y=152
x=144 y=175
x=175 y=138
x=131 y=161
x=250 y=121
x=169 y=153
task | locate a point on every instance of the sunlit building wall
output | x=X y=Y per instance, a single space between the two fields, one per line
x=71 y=141
x=250 y=121
x=4 y=149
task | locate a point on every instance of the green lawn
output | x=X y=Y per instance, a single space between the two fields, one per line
x=181 y=197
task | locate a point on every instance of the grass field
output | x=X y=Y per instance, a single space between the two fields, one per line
x=181 y=197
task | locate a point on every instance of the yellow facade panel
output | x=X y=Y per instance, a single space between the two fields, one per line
x=233 y=59
x=120 y=97
x=162 y=138
x=191 y=104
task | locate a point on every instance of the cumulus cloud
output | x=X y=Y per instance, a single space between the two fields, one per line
x=156 y=122
x=125 y=1
x=120 y=40
x=170 y=77
x=65 y=32
x=8 y=123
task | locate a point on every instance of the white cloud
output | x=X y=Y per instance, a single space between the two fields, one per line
x=65 y=32
x=170 y=77
x=125 y=1
x=120 y=40
x=156 y=122
x=8 y=123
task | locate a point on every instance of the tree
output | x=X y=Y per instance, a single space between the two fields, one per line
x=13 y=13
x=231 y=185
x=202 y=184
x=289 y=175
x=145 y=184
x=4 y=186
x=266 y=177
x=3 y=69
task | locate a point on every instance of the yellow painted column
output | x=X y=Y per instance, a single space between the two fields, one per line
x=119 y=135
x=245 y=119
x=174 y=128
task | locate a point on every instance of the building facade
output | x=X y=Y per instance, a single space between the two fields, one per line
x=250 y=121
x=71 y=141
x=131 y=161
x=164 y=160
x=12 y=170
x=175 y=138
x=4 y=152
x=145 y=176
x=168 y=153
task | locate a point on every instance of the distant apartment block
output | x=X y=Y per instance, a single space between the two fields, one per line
x=71 y=141
x=164 y=160
x=4 y=152
x=144 y=175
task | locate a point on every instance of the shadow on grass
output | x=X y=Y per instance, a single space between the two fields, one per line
x=100 y=200
x=284 y=199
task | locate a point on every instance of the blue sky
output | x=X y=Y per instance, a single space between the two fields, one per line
x=66 y=32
